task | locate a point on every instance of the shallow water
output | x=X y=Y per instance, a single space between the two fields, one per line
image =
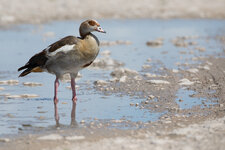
x=21 y=42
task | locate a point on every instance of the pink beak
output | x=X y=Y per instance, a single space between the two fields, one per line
x=99 y=29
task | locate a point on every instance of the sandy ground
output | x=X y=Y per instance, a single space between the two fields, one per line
x=195 y=128
x=199 y=127
x=39 y=11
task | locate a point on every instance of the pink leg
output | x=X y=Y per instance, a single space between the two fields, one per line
x=74 y=98
x=56 y=101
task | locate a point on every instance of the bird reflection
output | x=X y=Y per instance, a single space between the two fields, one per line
x=73 y=115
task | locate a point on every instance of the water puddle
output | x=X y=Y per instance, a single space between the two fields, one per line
x=187 y=101
x=20 y=43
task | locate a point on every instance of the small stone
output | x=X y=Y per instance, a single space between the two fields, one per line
x=146 y=66
x=156 y=106
x=180 y=100
x=186 y=82
x=42 y=112
x=82 y=121
x=221 y=105
x=137 y=104
x=200 y=49
x=26 y=125
x=75 y=138
x=155 y=43
x=100 y=82
x=131 y=104
x=51 y=137
x=193 y=70
x=2 y=88
x=149 y=60
x=4 y=140
x=151 y=96
x=175 y=70
x=9 y=82
x=41 y=118
x=137 y=77
x=149 y=75
x=158 y=82
x=119 y=72
x=123 y=79
x=29 y=96
x=32 y=84
x=10 y=115
x=13 y=96
x=180 y=43
x=105 y=53
x=146 y=102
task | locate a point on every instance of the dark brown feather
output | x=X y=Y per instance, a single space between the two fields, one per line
x=69 y=40
x=88 y=64
x=40 y=59
x=37 y=60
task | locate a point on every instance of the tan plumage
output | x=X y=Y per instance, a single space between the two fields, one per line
x=81 y=53
x=68 y=55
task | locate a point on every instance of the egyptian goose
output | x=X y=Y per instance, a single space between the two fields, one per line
x=68 y=55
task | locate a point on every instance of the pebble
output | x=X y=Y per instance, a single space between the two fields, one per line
x=131 y=104
x=155 y=43
x=146 y=66
x=185 y=81
x=180 y=100
x=32 y=84
x=180 y=43
x=149 y=60
x=9 y=82
x=151 y=96
x=106 y=63
x=26 y=125
x=100 y=82
x=119 y=72
x=193 y=70
x=75 y=138
x=4 y=140
x=221 y=105
x=51 y=137
x=137 y=104
x=123 y=79
x=82 y=121
x=175 y=70
x=200 y=49
x=29 y=95
x=118 y=42
x=76 y=86
x=106 y=53
x=2 y=88
x=158 y=82
x=137 y=77
x=22 y=96
x=10 y=115
x=146 y=102
x=13 y=96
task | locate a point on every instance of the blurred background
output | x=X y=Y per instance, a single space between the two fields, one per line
x=38 y=11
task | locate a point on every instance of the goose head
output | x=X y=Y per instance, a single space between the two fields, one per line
x=89 y=26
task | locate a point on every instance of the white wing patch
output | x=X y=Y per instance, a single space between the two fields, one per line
x=64 y=49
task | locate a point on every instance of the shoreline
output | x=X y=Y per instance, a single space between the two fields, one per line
x=38 y=12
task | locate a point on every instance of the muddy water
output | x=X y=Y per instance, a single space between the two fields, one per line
x=18 y=44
